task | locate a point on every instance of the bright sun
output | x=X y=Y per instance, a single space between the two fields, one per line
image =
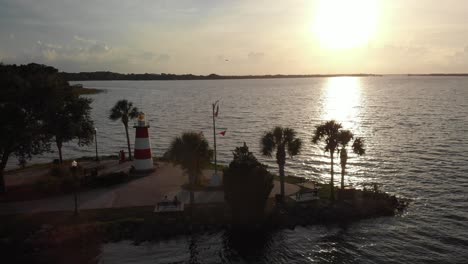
x=345 y=24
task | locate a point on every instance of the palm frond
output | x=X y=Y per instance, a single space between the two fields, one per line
x=328 y=132
x=134 y=113
x=358 y=146
x=191 y=151
x=278 y=134
x=289 y=135
x=344 y=137
x=294 y=147
x=268 y=144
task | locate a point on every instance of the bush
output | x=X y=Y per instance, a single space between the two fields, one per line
x=247 y=185
x=49 y=185
x=107 y=180
x=59 y=170
x=55 y=185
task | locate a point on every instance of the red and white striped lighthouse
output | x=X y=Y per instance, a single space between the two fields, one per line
x=143 y=158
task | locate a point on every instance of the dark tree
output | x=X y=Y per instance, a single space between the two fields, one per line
x=344 y=137
x=282 y=140
x=192 y=152
x=247 y=185
x=25 y=92
x=328 y=133
x=125 y=111
x=68 y=118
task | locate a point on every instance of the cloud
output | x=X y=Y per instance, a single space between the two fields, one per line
x=163 y=58
x=255 y=56
x=458 y=61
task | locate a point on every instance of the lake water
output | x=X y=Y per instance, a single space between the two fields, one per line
x=416 y=135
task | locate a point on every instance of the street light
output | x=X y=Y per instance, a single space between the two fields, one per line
x=73 y=167
x=95 y=140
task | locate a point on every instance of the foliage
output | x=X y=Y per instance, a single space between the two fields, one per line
x=68 y=117
x=328 y=133
x=25 y=93
x=125 y=111
x=283 y=140
x=247 y=185
x=106 y=180
x=191 y=151
x=334 y=137
x=344 y=137
x=59 y=180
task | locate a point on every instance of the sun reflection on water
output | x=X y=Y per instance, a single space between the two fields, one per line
x=342 y=101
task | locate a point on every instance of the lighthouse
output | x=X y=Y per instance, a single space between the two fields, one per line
x=143 y=158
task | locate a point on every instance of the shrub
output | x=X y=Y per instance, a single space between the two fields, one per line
x=247 y=185
x=54 y=184
x=49 y=185
x=108 y=180
x=59 y=171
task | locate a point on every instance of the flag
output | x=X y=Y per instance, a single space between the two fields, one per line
x=217 y=109
x=222 y=133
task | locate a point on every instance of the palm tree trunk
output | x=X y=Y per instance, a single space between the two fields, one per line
x=332 y=187
x=343 y=160
x=192 y=196
x=2 y=181
x=2 y=172
x=59 y=147
x=128 y=142
x=281 y=174
x=342 y=176
x=281 y=161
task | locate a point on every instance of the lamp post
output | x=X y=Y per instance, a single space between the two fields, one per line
x=215 y=114
x=95 y=140
x=73 y=167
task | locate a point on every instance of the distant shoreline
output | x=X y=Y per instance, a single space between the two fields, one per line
x=112 y=76
x=440 y=74
x=80 y=90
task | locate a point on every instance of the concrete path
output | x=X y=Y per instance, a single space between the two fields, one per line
x=149 y=190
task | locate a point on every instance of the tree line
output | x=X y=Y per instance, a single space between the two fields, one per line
x=107 y=75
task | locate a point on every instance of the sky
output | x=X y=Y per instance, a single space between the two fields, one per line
x=237 y=37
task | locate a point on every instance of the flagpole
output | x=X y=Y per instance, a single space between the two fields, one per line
x=214 y=138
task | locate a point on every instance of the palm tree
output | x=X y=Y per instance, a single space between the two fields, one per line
x=283 y=139
x=344 y=137
x=192 y=153
x=125 y=111
x=328 y=132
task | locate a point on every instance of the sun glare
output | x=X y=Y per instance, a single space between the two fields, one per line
x=342 y=98
x=345 y=24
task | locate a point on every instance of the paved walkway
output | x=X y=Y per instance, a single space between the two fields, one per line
x=166 y=180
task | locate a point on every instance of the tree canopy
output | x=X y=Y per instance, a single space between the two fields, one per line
x=33 y=98
x=192 y=152
x=125 y=111
x=329 y=133
x=247 y=185
x=283 y=140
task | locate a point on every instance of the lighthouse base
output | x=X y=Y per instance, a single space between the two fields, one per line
x=143 y=165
